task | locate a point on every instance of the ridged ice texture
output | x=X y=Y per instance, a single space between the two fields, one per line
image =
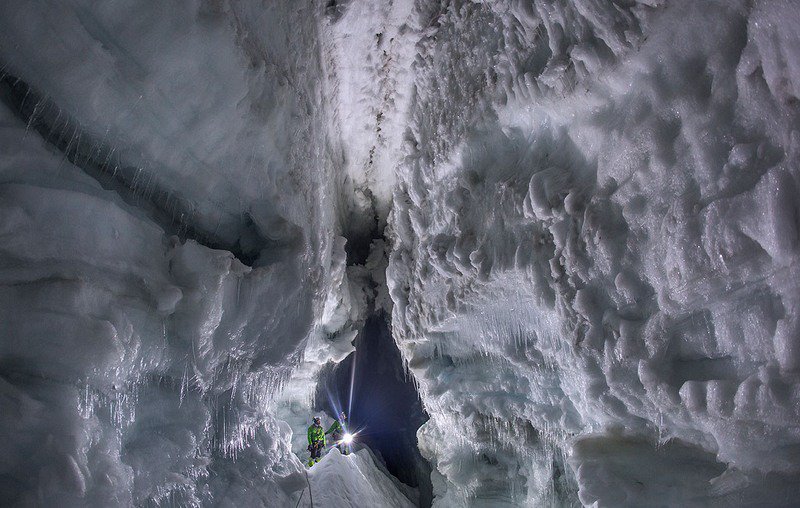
x=594 y=244
x=209 y=101
x=595 y=251
x=139 y=368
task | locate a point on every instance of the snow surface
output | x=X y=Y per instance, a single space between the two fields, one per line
x=592 y=232
x=357 y=479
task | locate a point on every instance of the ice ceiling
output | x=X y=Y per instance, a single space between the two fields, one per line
x=581 y=215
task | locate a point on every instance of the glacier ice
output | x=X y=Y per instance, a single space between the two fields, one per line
x=581 y=215
x=168 y=258
x=594 y=260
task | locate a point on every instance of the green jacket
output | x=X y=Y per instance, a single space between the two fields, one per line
x=335 y=428
x=316 y=434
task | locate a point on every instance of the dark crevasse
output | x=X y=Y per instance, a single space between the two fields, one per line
x=384 y=407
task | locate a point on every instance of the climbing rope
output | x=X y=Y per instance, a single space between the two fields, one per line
x=310 y=495
x=300 y=498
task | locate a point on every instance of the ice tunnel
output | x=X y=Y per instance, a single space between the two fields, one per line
x=381 y=402
x=544 y=251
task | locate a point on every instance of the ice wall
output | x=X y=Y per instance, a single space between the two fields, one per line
x=368 y=48
x=595 y=237
x=168 y=250
x=593 y=244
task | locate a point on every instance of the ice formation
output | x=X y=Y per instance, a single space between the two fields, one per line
x=168 y=250
x=594 y=272
x=589 y=209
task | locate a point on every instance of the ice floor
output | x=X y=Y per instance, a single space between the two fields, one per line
x=357 y=479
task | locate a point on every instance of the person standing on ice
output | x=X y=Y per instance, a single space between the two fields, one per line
x=337 y=433
x=316 y=441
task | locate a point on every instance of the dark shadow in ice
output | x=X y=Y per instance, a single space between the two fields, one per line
x=136 y=186
x=384 y=405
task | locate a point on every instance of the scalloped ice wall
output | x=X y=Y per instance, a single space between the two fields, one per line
x=591 y=219
x=595 y=244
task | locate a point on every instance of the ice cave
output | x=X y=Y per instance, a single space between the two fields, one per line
x=541 y=253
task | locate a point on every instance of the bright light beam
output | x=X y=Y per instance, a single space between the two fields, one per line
x=348 y=438
x=352 y=382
